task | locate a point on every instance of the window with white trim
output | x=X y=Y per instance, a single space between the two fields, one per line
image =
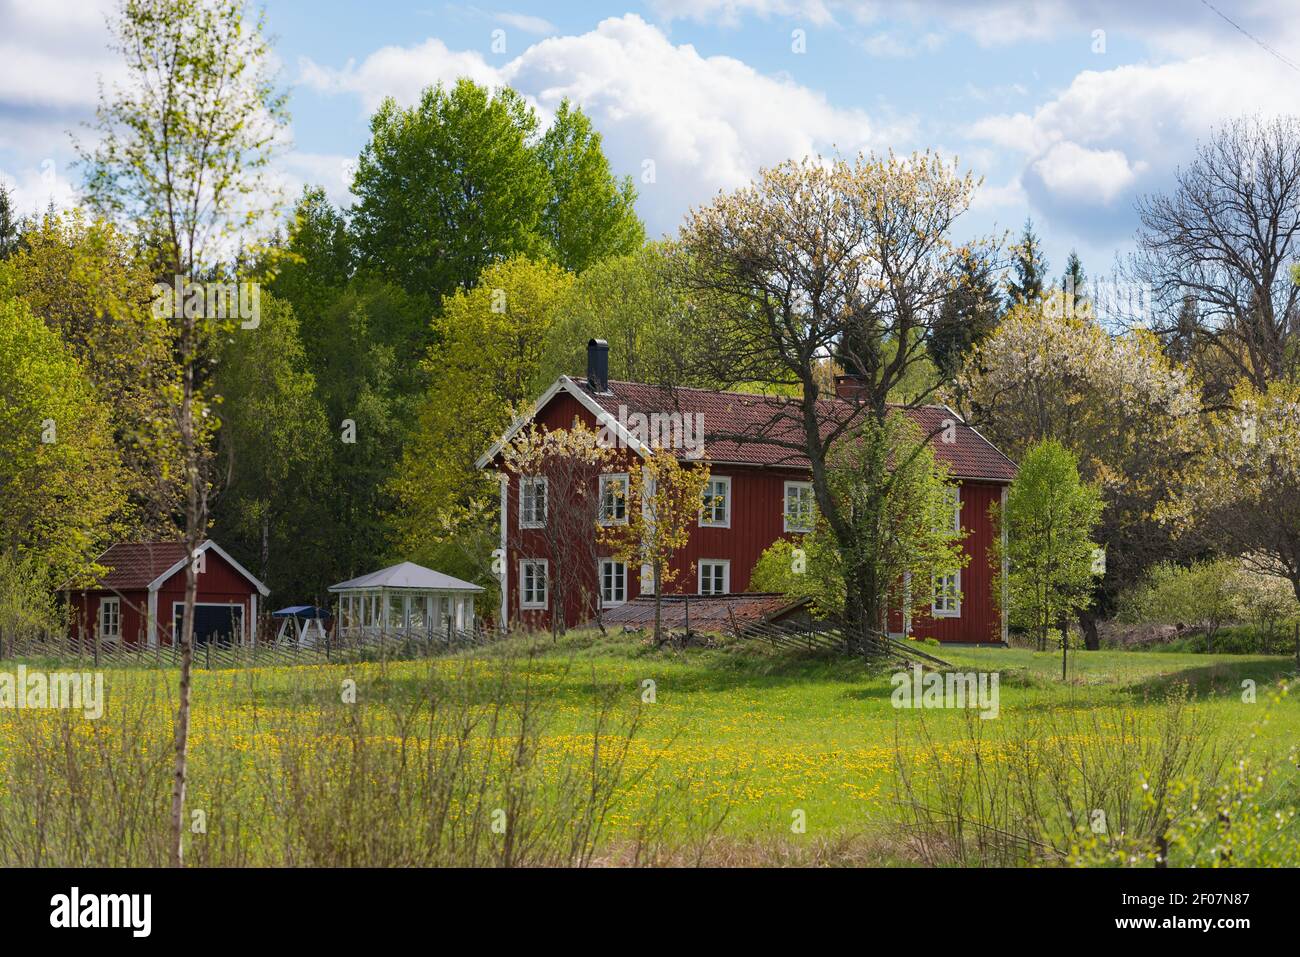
x=716 y=510
x=800 y=507
x=110 y=619
x=715 y=577
x=946 y=602
x=613 y=499
x=532 y=501
x=613 y=582
x=533 y=591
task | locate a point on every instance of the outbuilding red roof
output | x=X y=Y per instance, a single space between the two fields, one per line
x=759 y=430
x=136 y=564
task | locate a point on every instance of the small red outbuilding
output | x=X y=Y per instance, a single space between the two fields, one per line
x=140 y=599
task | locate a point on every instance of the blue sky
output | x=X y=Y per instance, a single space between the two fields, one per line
x=1068 y=110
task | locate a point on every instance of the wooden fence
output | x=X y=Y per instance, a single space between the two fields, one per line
x=262 y=654
x=831 y=636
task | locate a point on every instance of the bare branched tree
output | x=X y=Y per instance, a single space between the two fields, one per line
x=1218 y=254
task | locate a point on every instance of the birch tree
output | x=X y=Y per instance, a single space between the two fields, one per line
x=181 y=155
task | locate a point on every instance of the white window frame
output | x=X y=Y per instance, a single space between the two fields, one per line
x=936 y=611
x=532 y=481
x=116 y=604
x=601 y=565
x=726 y=521
x=605 y=480
x=726 y=576
x=535 y=605
x=785 y=507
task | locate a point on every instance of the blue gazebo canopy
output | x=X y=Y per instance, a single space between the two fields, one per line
x=301 y=611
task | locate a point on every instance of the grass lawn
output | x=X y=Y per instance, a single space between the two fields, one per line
x=743 y=734
x=819 y=734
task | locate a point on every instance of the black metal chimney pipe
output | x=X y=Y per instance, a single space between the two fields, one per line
x=598 y=365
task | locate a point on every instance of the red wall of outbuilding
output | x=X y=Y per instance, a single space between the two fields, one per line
x=218 y=583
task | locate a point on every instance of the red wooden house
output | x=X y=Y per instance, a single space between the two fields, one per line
x=759 y=492
x=140 y=598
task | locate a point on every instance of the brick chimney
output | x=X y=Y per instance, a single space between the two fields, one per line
x=598 y=365
x=850 y=387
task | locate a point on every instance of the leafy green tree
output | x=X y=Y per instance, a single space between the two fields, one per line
x=650 y=332
x=274 y=446
x=1050 y=517
x=318 y=259
x=89 y=284
x=463 y=180
x=589 y=214
x=449 y=187
x=1132 y=416
x=887 y=478
x=897 y=496
x=370 y=390
x=62 y=485
x=1029 y=268
x=485 y=371
x=1207 y=593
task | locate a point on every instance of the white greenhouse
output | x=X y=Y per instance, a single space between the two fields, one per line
x=405 y=599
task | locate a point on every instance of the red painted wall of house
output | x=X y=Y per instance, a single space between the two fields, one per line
x=219 y=583
x=981 y=617
x=757 y=520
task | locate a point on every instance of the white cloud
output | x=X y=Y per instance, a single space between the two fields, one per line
x=399 y=72
x=1077 y=174
x=527 y=23
x=35 y=189
x=1110 y=134
x=704 y=123
x=1175 y=26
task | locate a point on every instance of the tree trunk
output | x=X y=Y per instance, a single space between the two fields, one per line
x=266 y=546
x=193 y=532
x=659 y=638
x=1065 y=646
x=1088 y=625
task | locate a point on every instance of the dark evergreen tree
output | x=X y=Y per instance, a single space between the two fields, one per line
x=8 y=223
x=1029 y=267
x=969 y=313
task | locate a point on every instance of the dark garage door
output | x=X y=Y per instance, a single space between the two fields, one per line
x=220 y=624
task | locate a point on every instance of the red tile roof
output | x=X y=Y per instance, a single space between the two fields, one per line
x=744 y=429
x=133 y=565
